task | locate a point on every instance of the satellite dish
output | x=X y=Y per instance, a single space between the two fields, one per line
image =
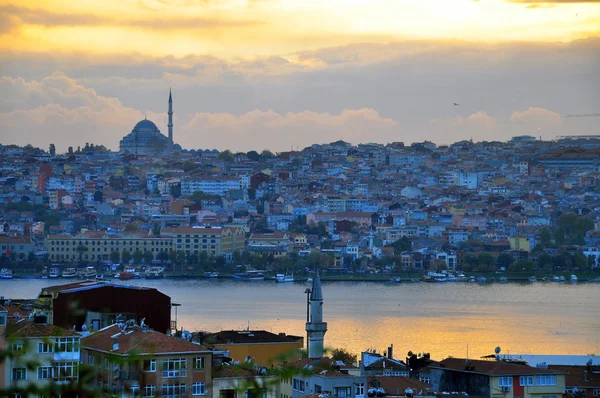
x=497 y=350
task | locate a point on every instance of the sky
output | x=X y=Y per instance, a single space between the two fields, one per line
x=284 y=74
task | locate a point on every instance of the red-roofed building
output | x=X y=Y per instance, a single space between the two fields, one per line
x=496 y=379
x=135 y=360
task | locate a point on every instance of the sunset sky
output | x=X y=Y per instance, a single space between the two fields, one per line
x=277 y=74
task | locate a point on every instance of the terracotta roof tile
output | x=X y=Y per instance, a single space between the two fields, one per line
x=492 y=368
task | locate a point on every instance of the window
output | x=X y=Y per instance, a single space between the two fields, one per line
x=173 y=390
x=150 y=365
x=19 y=373
x=44 y=372
x=2 y=319
x=424 y=379
x=526 y=381
x=318 y=389
x=174 y=368
x=360 y=389
x=198 y=389
x=65 y=371
x=545 y=380
x=135 y=391
x=400 y=373
x=149 y=391
x=596 y=393
x=505 y=381
x=298 y=385
x=342 y=392
x=199 y=362
x=66 y=344
x=44 y=348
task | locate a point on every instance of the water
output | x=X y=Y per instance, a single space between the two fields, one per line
x=540 y=318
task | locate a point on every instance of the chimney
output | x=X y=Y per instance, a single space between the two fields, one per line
x=391 y=351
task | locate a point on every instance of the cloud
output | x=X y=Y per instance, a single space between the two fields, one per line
x=537 y=116
x=553 y=1
x=13 y=15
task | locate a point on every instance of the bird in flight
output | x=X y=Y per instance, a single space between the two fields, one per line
x=455 y=104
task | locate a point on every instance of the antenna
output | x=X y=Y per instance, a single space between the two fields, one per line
x=467 y=351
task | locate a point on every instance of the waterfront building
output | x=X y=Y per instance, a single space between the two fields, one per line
x=98 y=304
x=133 y=360
x=213 y=241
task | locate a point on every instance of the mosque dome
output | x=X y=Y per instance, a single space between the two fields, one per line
x=146 y=125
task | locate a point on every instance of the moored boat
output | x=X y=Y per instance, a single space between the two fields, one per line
x=86 y=273
x=282 y=278
x=125 y=275
x=69 y=273
x=54 y=273
x=155 y=273
x=395 y=279
x=532 y=279
x=211 y=275
x=6 y=273
x=254 y=275
x=573 y=278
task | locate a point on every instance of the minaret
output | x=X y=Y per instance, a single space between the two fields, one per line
x=170 y=125
x=316 y=328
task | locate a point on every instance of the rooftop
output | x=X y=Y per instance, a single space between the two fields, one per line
x=491 y=368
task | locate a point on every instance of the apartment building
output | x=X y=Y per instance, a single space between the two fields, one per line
x=213 y=241
x=133 y=360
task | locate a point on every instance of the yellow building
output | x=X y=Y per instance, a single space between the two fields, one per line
x=264 y=348
x=215 y=241
x=520 y=243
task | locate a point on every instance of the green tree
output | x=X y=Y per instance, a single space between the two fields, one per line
x=148 y=256
x=125 y=256
x=131 y=227
x=253 y=155
x=162 y=256
x=30 y=257
x=545 y=237
x=579 y=260
x=505 y=260
x=226 y=156
x=138 y=255
x=572 y=228
x=485 y=258
x=340 y=354
x=591 y=261
x=544 y=260
x=115 y=256
x=81 y=249
x=401 y=245
x=156 y=229
x=266 y=154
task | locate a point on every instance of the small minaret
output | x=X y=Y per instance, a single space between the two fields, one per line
x=316 y=328
x=170 y=125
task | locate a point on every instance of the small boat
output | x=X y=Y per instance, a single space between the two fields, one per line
x=435 y=277
x=54 y=273
x=99 y=277
x=282 y=278
x=6 y=273
x=481 y=279
x=69 y=273
x=532 y=279
x=155 y=273
x=573 y=278
x=124 y=276
x=87 y=273
x=309 y=280
x=396 y=279
x=254 y=275
x=130 y=269
x=211 y=275
x=503 y=279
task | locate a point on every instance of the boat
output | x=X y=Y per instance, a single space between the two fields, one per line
x=532 y=279
x=155 y=273
x=482 y=279
x=69 y=273
x=6 y=273
x=54 y=273
x=255 y=275
x=282 y=278
x=132 y=270
x=99 y=277
x=309 y=280
x=87 y=273
x=211 y=275
x=503 y=279
x=396 y=279
x=573 y=278
x=435 y=277
x=124 y=276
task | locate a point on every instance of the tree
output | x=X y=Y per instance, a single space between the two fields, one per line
x=266 y=154
x=591 y=261
x=253 y=155
x=226 y=156
x=579 y=260
x=52 y=150
x=148 y=256
x=545 y=237
x=30 y=257
x=176 y=190
x=81 y=249
x=485 y=258
x=156 y=229
x=401 y=245
x=125 y=256
x=131 y=227
x=340 y=354
x=137 y=256
x=505 y=260
x=162 y=256
x=115 y=256
x=572 y=228
x=544 y=260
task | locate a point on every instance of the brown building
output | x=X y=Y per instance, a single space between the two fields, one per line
x=133 y=360
x=98 y=304
x=581 y=379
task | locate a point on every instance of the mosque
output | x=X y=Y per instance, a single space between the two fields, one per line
x=146 y=138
